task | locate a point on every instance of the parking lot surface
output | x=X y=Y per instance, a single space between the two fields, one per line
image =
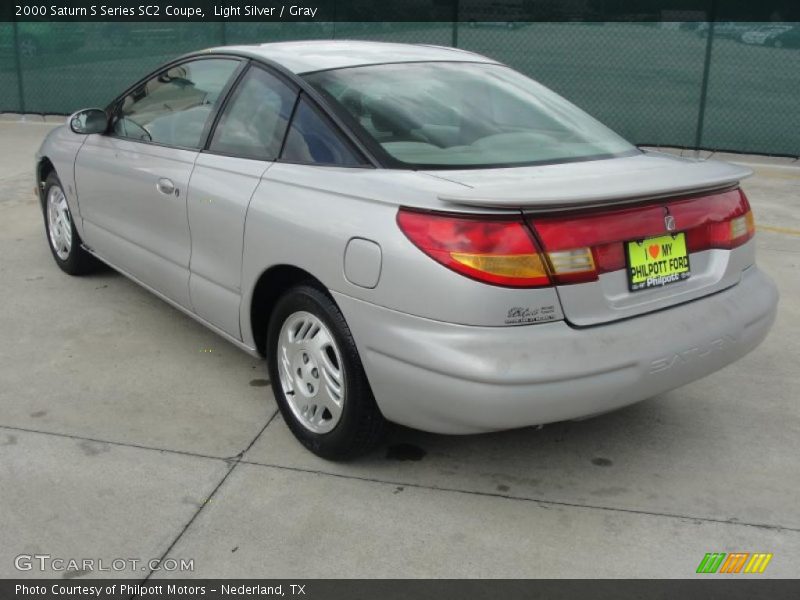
x=128 y=430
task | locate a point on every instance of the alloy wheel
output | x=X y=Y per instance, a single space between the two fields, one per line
x=59 y=222
x=311 y=372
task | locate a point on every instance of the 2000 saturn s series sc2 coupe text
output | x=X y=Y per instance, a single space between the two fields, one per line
x=411 y=234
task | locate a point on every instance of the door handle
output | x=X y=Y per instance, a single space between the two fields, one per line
x=165 y=186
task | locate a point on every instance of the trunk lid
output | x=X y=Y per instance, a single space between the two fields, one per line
x=597 y=208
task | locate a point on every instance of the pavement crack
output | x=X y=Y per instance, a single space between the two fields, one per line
x=544 y=503
x=238 y=457
x=234 y=462
x=190 y=521
x=113 y=443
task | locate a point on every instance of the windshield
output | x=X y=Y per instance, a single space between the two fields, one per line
x=466 y=115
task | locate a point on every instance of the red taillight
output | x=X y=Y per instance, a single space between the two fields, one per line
x=728 y=233
x=722 y=220
x=494 y=250
x=572 y=247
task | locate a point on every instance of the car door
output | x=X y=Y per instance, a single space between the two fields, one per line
x=132 y=181
x=247 y=138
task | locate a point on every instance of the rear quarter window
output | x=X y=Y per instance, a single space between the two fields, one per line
x=312 y=139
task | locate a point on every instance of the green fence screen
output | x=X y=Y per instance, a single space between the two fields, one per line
x=735 y=86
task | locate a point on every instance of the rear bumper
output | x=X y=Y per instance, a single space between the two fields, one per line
x=447 y=378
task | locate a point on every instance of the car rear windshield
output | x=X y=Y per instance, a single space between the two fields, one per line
x=451 y=115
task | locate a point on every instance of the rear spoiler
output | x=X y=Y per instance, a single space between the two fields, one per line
x=649 y=175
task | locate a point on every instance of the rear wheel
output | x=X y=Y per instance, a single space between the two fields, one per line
x=318 y=380
x=63 y=238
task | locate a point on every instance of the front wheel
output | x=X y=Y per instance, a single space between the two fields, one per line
x=317 y=376
x=63 y=238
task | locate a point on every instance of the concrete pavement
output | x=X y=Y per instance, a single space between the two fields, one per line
x=130 y=431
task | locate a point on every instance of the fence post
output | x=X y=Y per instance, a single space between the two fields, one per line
x=18 y=66
x=701 y=115
x=454 y=40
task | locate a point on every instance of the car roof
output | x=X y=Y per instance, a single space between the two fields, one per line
x=319 y=55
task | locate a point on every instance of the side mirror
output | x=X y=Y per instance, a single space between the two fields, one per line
x=88 y=121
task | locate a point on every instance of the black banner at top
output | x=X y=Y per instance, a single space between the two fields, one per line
x=497 y=11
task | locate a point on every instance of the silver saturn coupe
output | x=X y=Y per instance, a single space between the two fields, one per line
x=409 y=234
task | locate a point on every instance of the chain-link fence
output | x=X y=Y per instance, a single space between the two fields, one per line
x=733 y=86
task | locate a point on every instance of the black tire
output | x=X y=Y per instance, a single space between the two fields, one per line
x=78 y=261
x=361 y=425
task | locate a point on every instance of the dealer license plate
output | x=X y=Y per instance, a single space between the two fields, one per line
x=657 y=261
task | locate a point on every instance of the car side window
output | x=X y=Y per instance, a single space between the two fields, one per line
x=312 y=139
x=254 y=121
x=174 y=107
